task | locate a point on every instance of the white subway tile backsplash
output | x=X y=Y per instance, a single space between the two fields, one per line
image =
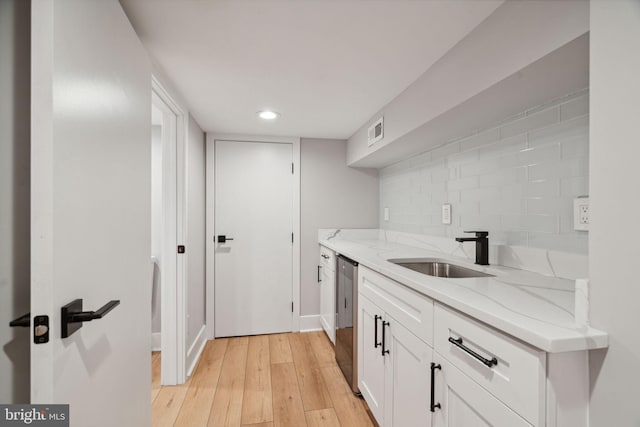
x=550 y=206
x=576 y=129
x=480 y=139
x=445 y=151
x=575 y=108
x=533 y=155
x=543 y=188
x=533 y=121
x=478 y=194
x=516 y=180
x=463 y=183
x=502 y=147
x=477 y=168
x=501 y=177
x=578 y=166
x=575 y=186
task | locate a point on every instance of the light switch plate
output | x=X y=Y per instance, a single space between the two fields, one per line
x=446 y=214
x=386 y=214
x=581 y=214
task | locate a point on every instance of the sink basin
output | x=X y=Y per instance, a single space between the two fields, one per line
x=438 y=268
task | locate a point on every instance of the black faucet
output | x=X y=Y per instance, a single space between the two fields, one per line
x=482 y=245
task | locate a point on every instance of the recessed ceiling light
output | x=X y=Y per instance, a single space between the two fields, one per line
x=268 y=115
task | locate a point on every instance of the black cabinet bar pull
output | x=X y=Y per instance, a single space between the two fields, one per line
x=384 y=335
x=22 y=321
x=319 y=280
x=376 y=344
x=434 y=405
x=488 y=362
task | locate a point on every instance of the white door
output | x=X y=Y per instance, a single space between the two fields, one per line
x=371 y=362
x=464 y=403
x=254 y=207
x=90 y=210
x=408 y=375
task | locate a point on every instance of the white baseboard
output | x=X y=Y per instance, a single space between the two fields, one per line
x=310 y=323
x=156 y=341
x=193 y=355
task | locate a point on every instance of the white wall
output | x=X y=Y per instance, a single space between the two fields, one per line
x=333 y=195
x=614 y=238
x=517 y=34
x=195 y=231
x=516 y=180
x=15 y=160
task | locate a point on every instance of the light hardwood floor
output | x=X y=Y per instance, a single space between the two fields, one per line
x=261 y=381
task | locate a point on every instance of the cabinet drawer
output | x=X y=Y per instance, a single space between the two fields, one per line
x=327 y=259
x=463 y=403
x=411 y=309
x=518 y=376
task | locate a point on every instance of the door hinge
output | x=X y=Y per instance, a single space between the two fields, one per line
x=292 y=168
x=292 y=306
x=291 y=237
x=181 y=249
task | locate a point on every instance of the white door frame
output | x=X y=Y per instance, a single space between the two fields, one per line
x=210 y=225
x=173 y=266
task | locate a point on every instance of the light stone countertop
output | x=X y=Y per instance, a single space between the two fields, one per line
x=534 y=308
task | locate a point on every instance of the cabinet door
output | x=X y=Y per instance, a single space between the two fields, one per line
x=408 y=376
x=464 y=403
x=327 y=302
x=371 y=371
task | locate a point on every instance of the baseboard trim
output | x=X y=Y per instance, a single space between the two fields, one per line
x=310 y=323
x=156 y=341
x=193 y=355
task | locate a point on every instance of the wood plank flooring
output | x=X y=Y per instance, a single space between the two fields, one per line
x=280 y=380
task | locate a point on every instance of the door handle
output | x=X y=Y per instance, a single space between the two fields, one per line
x=434 y=405
x=23 y=321
x=384 y=338
x=73 y=316
x=376 y=344
x=319 y=280
x=223 y=238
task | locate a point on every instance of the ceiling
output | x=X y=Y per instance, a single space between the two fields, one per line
x=325 y=65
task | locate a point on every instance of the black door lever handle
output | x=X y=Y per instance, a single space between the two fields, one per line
x=23 y=321
x=73 y=316
x=223 y=238
x=87 y=316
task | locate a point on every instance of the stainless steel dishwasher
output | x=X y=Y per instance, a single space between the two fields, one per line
x=347 y=320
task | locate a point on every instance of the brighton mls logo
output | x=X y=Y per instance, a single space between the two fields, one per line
x=34 y=415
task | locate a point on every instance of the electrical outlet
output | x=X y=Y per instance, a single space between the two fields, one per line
x=446 y=213
x=581 y=214
x=386 y=214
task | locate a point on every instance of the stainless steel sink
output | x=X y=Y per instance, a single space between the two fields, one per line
x=438 y=268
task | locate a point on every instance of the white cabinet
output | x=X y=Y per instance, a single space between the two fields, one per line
x=371 y=372
x=393 y=363
x=464 y=403
x=407 y=370
x=480 y=376
x=511 y=371
x=327 y=283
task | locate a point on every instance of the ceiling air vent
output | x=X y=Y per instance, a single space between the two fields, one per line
x=376 y=131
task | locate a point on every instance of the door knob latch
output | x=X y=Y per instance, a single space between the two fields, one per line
x=223 y=238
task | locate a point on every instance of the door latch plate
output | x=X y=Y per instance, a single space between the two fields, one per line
x=41 y=329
